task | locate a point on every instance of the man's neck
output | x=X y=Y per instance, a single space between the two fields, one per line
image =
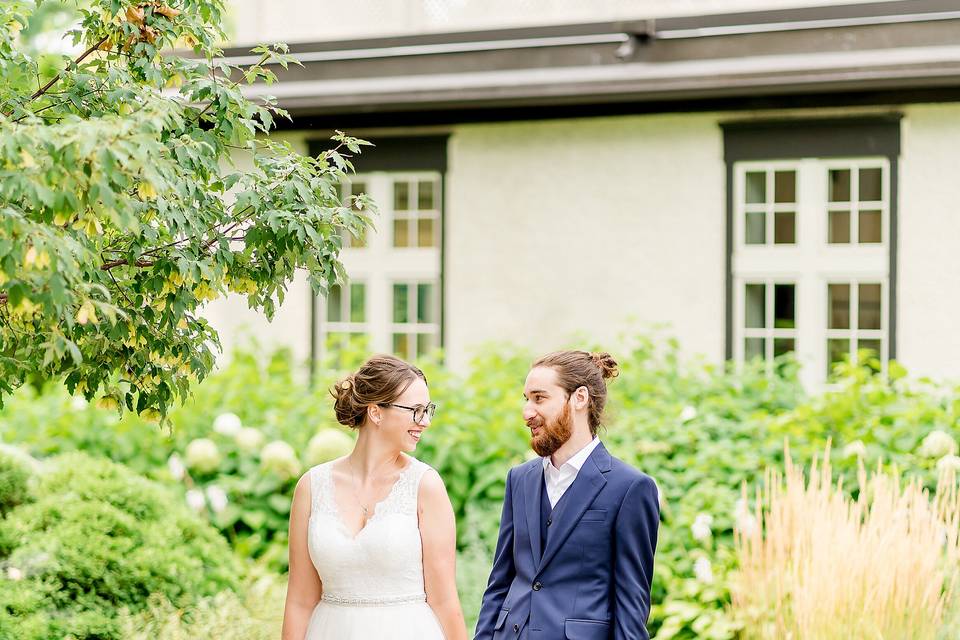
x=577 y=441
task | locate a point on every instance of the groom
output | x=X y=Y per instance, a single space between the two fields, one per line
x=574 y=557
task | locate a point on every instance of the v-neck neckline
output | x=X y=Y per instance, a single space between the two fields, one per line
x=376 y=507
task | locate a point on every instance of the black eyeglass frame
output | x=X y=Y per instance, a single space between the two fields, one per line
x=419 y=411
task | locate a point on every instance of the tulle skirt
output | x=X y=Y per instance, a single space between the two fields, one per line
x=409 y=621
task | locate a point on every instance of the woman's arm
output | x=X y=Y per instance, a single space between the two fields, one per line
x=303 y=583
x=438 y=531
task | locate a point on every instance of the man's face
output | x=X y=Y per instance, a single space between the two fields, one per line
x=546 y=412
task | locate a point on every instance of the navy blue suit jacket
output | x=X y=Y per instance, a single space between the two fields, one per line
x=592 y=580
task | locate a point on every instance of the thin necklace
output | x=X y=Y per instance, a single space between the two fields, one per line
x=353 y=490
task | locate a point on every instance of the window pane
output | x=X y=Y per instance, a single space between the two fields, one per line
x=785 y=186
x=401 y=303
x=784 y=306
x=871 y=344
x=754 y=348
x=425 y=303
x=401 y=196
x=837 y=350
x=870 y=184
x=425 y=194
x=756 y=228
x=784 y=227
x=839 y=232
x=756 y=187
x=401 y=236
x=870 y=227
x=838 y=303
x=839 y=185
x=755 y=306
x=357 y=188
x=424 y=344
x=783 y=346
x=868 y=304
x=334 y=304
x=425 y=233
x=401 y=345
x=358 y=302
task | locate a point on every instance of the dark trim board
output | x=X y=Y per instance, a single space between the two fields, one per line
x=813 y=138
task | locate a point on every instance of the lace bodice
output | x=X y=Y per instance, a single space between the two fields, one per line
x=383 y=563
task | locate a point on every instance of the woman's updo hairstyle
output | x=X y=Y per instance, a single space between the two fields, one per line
x=380 y=380
x=577 y=369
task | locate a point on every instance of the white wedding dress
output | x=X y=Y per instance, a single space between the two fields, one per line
x=372 y=582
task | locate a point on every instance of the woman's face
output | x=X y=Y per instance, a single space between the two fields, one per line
x=397 y=424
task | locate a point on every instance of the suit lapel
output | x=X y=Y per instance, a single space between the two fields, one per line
x=532 y=489
x=575 y=501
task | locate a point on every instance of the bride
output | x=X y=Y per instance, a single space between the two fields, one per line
x=372 y=534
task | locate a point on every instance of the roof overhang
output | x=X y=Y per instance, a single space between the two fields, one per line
x=882 y=48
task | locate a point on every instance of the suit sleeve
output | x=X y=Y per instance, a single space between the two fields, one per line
x=636 y=541
x=503 y=572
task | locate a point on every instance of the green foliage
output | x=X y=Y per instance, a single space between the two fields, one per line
x=15 y=473
x=122 y=211
x=97 y=538
x=700 y=430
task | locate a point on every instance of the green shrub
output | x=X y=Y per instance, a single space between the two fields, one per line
x=16 y=469
x=99 y=537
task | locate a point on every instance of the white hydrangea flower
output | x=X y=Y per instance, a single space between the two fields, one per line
x=203 y=455
x=217 y=498
x=280 y=458
x=948 y=462
x=195 y=500
x=745 y=522
x=227 y=424
x=249 y=439
x=703 y=570
x=14 y=573
x=176 y=467
x=855 y=448
x=78 y=403
x=701 y=527
x=937 y=444
x=20 y=455
x=327 y=445
x=688 y=414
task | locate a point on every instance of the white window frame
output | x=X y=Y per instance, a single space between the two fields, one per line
x=812 y=263
x=379 y=264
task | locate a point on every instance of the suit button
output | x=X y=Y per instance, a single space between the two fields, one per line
x=516 y=628
x=549 y=521
x=537 y=586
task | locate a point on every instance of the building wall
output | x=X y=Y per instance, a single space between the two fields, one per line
x=257 y=21
x=595 y=227
x=928 y=305
x=585 y=227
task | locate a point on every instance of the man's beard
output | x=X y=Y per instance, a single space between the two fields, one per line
x=554 y=434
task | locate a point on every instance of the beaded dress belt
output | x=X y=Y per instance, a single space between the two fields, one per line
x=347 y=601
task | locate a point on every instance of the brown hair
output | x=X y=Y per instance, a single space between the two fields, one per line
x=380 y=380
x=577 y=369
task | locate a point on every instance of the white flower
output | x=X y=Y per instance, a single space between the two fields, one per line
x=203 y=455
x=175 y=465
x=227 y=424
x=78 y=403
x=688 y=414
x=195 y=500
x=746 y=522
x=280 y=458
x=21 y=456
x=217 y=498
x=249 y=439
x=701 y=527
x=855 y=448
x=703 y=570
x=328 y=445
x=14 y=574
x=937 y=444
x=948 y=462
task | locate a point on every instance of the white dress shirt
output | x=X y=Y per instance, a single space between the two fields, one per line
x=559 y=480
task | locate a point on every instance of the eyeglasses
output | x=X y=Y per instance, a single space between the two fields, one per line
x=419 y=411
